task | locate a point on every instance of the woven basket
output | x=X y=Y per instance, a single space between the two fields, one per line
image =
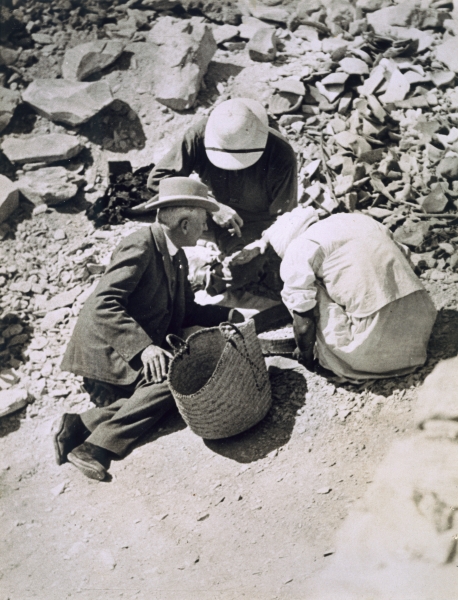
x=219 y=380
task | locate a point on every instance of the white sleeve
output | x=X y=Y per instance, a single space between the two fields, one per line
x=297 y=271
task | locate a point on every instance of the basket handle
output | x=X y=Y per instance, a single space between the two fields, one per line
x=178 y=345
x=243 y=353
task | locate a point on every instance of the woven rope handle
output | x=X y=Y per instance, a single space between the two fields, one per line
x=244 y=354
x=178 y=345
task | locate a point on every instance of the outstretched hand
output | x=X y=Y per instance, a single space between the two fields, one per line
x=155 y=362
x=245 y=255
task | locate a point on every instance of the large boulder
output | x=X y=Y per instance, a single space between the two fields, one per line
x=41 y=148
x=51 y=185
x=400 y=541
x=85 y=59
x=9 y=198
x=185 y=51
x=72 y=103
x=9 y=99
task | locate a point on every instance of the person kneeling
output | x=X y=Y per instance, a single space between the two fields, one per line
x=118 y=342
x=357 y=305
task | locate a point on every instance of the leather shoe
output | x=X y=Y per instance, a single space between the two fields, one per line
x=70 y=433
x=88 y=458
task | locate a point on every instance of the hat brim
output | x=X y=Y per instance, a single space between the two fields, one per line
x=185 y=202
x=232 y=162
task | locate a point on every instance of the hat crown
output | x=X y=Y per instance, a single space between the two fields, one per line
x=180 y=187
x=236 y=133
x=236 y=126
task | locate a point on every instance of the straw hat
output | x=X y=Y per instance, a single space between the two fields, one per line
x=182 y=191
x=236 y=134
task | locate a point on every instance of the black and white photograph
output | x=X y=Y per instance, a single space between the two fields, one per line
x=229 y=299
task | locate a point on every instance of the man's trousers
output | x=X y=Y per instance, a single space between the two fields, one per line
x=138 y=408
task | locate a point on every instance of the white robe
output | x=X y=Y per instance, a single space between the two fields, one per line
x=374 y=318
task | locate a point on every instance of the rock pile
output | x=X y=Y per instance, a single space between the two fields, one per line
x=46 y=274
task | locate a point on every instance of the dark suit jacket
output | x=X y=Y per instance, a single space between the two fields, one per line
x=138 y=301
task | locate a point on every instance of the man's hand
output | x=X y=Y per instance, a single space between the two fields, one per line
x=228 y=218
x=245 y=255
x=155 y=361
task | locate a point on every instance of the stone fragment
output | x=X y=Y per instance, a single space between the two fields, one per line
x=12 y=400
x=331 y=92
x=306 y=7
x=224 y=33
x=353 y=142
x=23 y=287
x=434 y=202
x=72 y=103
x=8 y=56
x=335 y=79
x=324 y=490
x=42 y=38
x=85 y=59
x=185 y=51
x=447 y=53
x=354 y=66
x=269 y=13
x=343 y=184
x=397 y=89
x=51 y=185
x=59 y=489
x=54 y=317
x=8 y=378
x=64 y=299
x=41 y=148
x=59 y=234
x=371 y=5
x=263 y=46
x=250 y=26
x=306 y=32
x=448 y=167
x=223 y=11
x=404 y=14
x=286 y=120
x=291 y=86
x=412 y=233
x=9 y=99
x=9 y=198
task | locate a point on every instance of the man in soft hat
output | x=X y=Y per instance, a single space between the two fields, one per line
x=118 y=344
x=250 y=169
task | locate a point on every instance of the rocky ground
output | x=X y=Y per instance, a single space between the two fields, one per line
x=373 y=102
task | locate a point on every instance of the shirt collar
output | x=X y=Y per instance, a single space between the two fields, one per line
x=170 y=245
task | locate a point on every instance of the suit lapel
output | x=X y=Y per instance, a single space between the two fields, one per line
x=161 y=244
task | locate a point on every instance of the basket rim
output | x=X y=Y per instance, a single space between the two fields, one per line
x=250 y=323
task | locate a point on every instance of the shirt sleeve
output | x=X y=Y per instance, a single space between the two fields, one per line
x=181 y=160
x=298 y=272
x=283 y=175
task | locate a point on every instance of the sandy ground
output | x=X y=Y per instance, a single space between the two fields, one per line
x=252 y=517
